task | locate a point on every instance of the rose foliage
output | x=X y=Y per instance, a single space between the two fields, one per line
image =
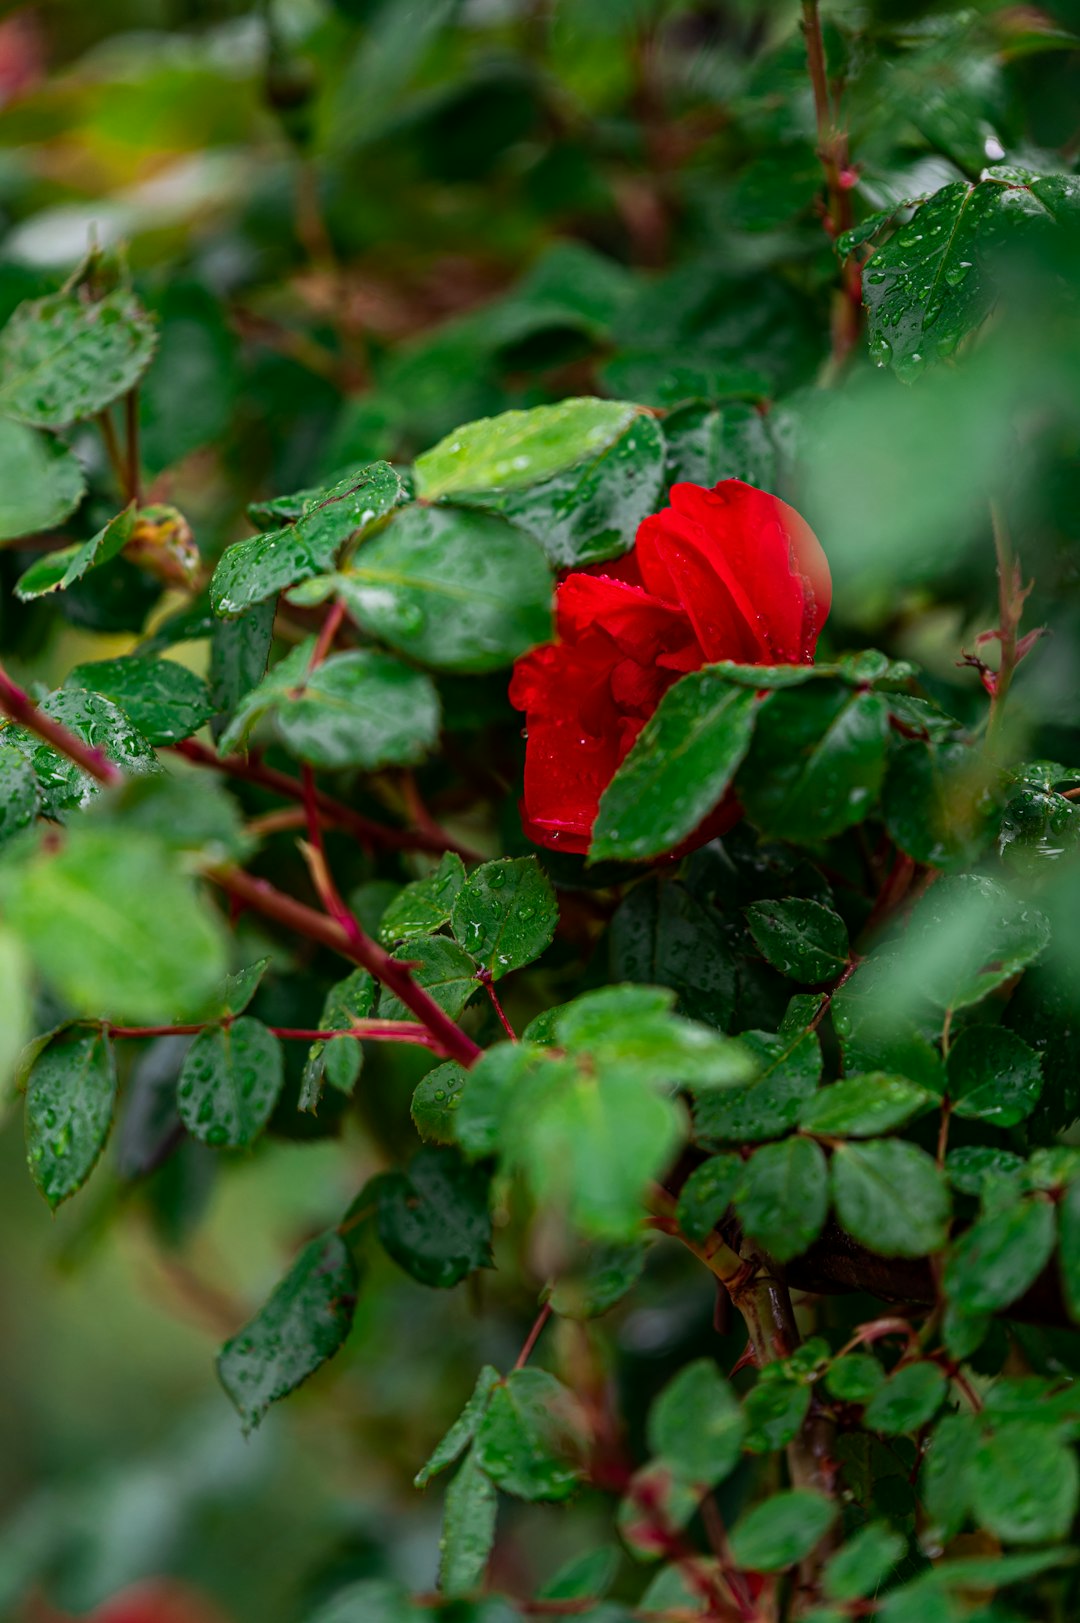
x=540 y=813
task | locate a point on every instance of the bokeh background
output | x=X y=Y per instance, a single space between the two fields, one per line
x=361 y=223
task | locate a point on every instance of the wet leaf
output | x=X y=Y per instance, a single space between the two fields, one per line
x=505 y=914
x=338 y=1060
x=891 y=1196
x=677 y=770
x=863 y=1106
x=1000 y=1256
x=993 y=1076
x=70 y=1097
x=62 y=785
x=789 y=1068
x=783 y=1197
x=251 y=571
x=435 y=1102
x=817 y=761
x=425 y=905
x=162 y=698
x=525 y=1439
x=468 y=1530
x=707 y=443
x=1024 y=1483
x=57 y=570
x=800 y=938
x=457 y=590
x=433 y=1219
x=444 y=971
x=520 y=448
x=41 y=482
x=302 y=1324
x=600 y=1277
x=462 y=1432
x=864 y=1563
x=230 y=1082
x=707 y=1194
x=907 y=1399
x=63 y=359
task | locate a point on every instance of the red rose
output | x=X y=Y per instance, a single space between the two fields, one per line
x=729 y=573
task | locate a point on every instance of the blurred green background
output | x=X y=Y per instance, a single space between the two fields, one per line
x=361 y=224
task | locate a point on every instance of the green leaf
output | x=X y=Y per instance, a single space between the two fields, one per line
x=584 y=1577
x=458 y=590
x=968 y=935
x=163 y=699
x=935 y=803
x=891 y=1197
x=926 y=288
x=70 y=1095
x=945 y=1479
x=444 y=971
x=303 y=1324
x=1024 y=1483
x=863 y=1106
x=774 y=1411
x=678 y=768
x=239 y=989
x=63 y=359
x=707 y=1194
x=817 y=761
x=93 y=914
x=463 y=1430
x=520 y=448
x=634 y=1029
x=784 y=1196
x=18 y=791
x=239 y=650
x=696 y=1425
x=993 y=1075
x=707 y=443
x=251 y=571
x=338 y=1060
x=601 y=1276
x=864 y=1563
x=974 y=1167
x=468 y=1529
x=526 y=1437
x=63 y=786
x=433 y=1219
x=789 y=1068
x=426 y=905
x=1069 y=1255
x=910 y=1397
x=41 y=482
x=592 y=510
x=781 y=1530
x=1000 y=1256
x=800 y=938
x=16 y=1027
x=435 y=1103
x=229 y=1083
x=663 y=935
x=362 y=709
x=57 y=570
x=505 y=914
x=372 y=1600
x=854 y=1378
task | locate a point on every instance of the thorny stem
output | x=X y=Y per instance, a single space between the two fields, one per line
x=1010 y=607
x=335 y=812
x=358 y=947
x=832 y=150
x=20 y=707
x=760 y=1294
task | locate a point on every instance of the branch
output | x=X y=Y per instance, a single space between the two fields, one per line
x=1011 y=597
x=19 y=706
x=832 y=150
x=392 y=1031
x=335 y=812
x=285 y=910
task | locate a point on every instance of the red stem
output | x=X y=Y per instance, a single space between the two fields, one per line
x=19 y=706
x=261 y=896
x=330 y=627
x=398 y=1031
x=335 y=812
x=533 y=1336
x=484 y=977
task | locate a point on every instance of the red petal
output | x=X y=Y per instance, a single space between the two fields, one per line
x=745 y=566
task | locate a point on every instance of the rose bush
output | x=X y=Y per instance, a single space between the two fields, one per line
x=731 y=573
